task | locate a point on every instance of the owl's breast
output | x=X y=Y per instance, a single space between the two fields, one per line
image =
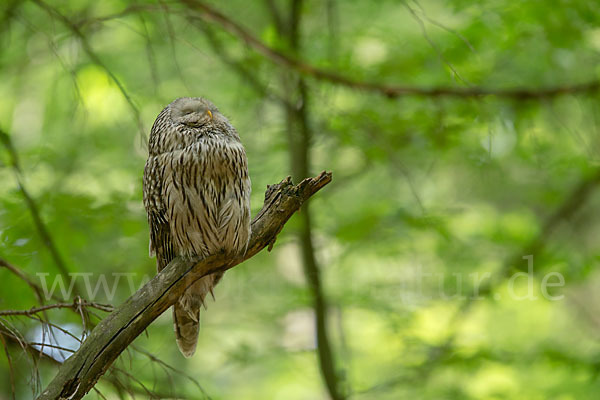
x=208 y=192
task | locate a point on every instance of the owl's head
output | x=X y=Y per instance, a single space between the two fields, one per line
x=194 y=112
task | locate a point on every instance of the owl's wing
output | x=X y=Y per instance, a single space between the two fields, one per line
x=161 y=243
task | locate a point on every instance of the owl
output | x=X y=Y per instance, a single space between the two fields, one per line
x=197 y=197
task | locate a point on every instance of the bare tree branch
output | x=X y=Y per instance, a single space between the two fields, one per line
x=51 y=346
x=169 y=368
x=99 y=393
x=16 y=339
x=75 y=305
x=210 y=14
x=112 y=335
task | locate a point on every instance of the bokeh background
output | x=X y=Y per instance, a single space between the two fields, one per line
x=406 y=262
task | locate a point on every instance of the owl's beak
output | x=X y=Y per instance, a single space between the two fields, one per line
x=209 y=114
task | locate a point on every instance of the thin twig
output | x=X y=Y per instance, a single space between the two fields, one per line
x=51 y=326
x=53 y=12
x=434 y=46
x=444 y=27
x=392 y=91
x=56 y=52
x=52 y=346
x=11 y=372
x=171 y=34
x=10 y=332
x=74 y=306
x=16 y=338
x=247 y=76
x=167 y=366
x=16 y=271
x=131 y=377
x=132 y=9
x=99 y=393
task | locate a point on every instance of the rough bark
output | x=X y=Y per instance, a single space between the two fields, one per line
x=81 y=371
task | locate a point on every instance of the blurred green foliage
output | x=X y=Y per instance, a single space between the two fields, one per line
x=429 y=193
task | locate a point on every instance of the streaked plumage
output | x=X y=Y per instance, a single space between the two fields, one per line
x=197 y=196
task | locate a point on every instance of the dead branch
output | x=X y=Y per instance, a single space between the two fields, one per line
x=77 y=304
x=112 y=336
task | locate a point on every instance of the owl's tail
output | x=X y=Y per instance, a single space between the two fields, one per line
x=186 y=313
x=186 y=330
